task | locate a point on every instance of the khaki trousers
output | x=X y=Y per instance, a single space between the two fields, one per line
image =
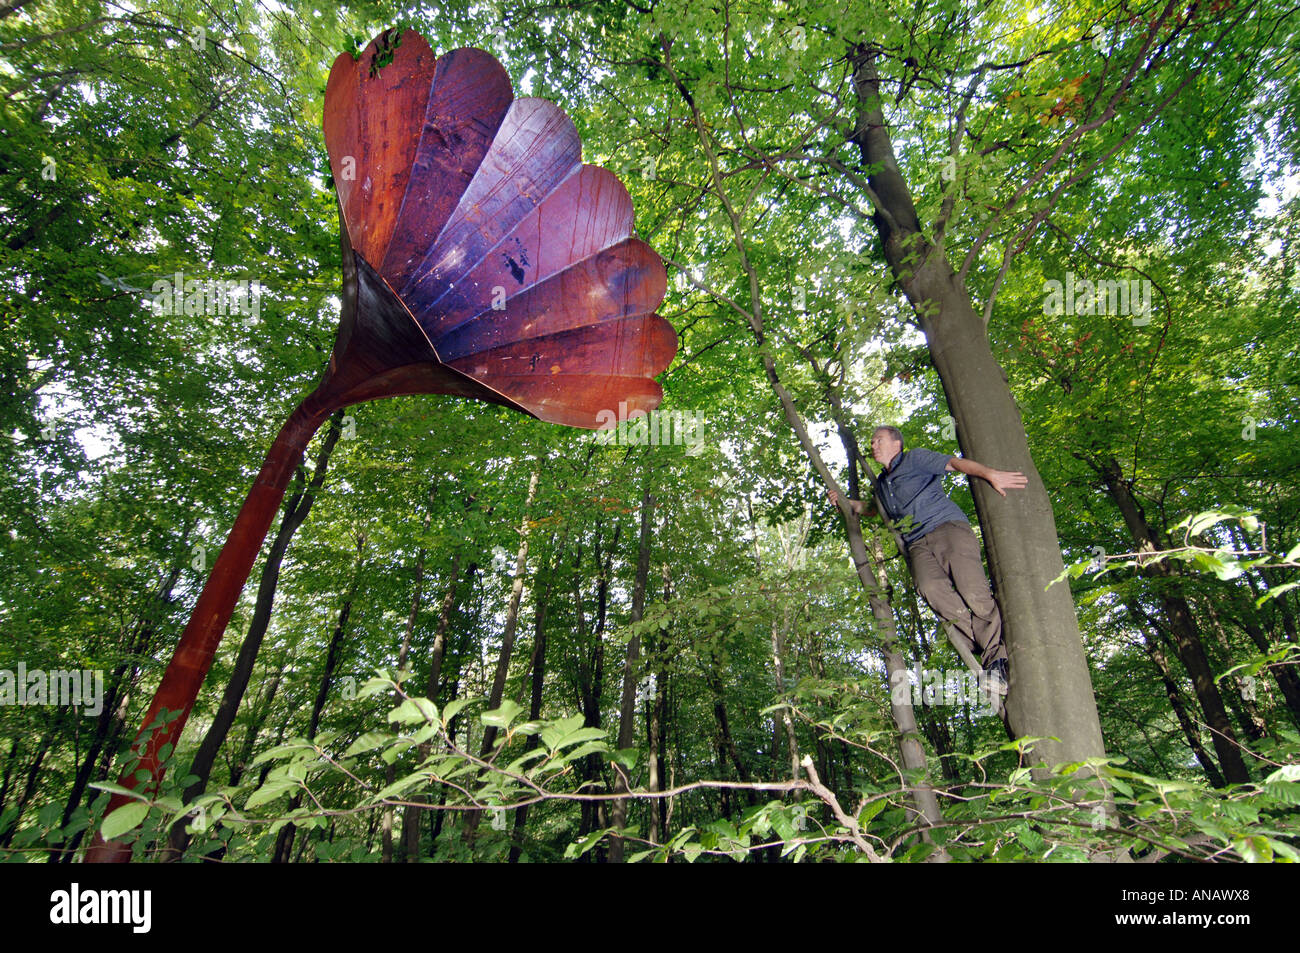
x=948 y=573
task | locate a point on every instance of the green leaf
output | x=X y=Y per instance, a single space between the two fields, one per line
x=125 y=818
x=117 y=789
x=297 y=747
x=581 y=735
x=553 y=734
x=413 y=711
x=396 y=750
x=516 y=766
x=1285 y=849
x=367 y=742
x=1285 y=792
x=425 y=733
x=374 y=686
x=452 y=708
x=269 y=792
x=627 y=757
x=1288 y=772
x=399 y=786
x=872 y=809
x=501 y=717
x=1275 y=592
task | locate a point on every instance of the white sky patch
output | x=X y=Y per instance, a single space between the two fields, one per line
x=1270 y=206
x=96 y=439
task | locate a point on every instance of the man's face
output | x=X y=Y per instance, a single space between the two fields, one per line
x=884 y=447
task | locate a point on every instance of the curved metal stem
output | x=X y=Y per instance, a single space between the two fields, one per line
x=198 y=643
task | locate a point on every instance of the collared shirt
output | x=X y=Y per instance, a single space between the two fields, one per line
x=913 y=486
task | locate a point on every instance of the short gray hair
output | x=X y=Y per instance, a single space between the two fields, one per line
x=893 y=432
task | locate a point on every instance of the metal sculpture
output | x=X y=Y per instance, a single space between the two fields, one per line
x=481 y=258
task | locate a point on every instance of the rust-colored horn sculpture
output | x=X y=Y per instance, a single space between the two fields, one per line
x=481 y=258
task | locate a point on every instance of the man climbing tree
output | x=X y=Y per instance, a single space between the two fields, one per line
x=941 y=548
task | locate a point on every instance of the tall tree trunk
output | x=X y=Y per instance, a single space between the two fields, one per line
x=1288 y=680
x=119 y=684
x=913 y=755
x=535 y=701
x=781 y=630
x=255 y=724
x=933 y=724
x=583 y=673
x=33 y=776
x=512 y=617
x=452 y=692
x=591 y=672
x=10 y=761
x=726 y=742
x=1181 y=625
x=1244 y=708
x=411 y=815
x=284 y=843
x=627 y=705
x=779 y=641
x=1151 y=643
x=507 y=640
x=656 y=713
x=295 y=514
x=386 y=824
x=1051 y=689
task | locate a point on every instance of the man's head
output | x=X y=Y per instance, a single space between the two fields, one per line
x=886 y=443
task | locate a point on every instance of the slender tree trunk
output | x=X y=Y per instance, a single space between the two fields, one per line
x=933 y=724
x=119 y=684
x=913 y=755
x=33 y=776
x=386 y=824
x=627 y=705
x=1051 y=689
x=726 y=742
x=534 y=704
x=295 y=514
x=512 y=618
x=656 y=712
x=10 y=761
x=583 y=673
x=1244 y=708
x=411 y=815
x=284 y=843
x=258 y=720
x=1288 y=680
x=779 y=637
x=452 y=693
x=1182 y=625
x=1151 y=643
x=507 y=640
x=782 y=629
x=591 y=673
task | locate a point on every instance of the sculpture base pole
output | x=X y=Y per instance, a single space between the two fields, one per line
x=198 y=643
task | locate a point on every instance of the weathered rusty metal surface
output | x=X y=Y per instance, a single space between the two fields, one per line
x=496 y=239
x=481 y=258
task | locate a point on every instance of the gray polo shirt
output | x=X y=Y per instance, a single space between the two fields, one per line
x=913 y=486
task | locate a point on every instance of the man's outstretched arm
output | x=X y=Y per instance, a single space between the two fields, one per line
x=1001 y=480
